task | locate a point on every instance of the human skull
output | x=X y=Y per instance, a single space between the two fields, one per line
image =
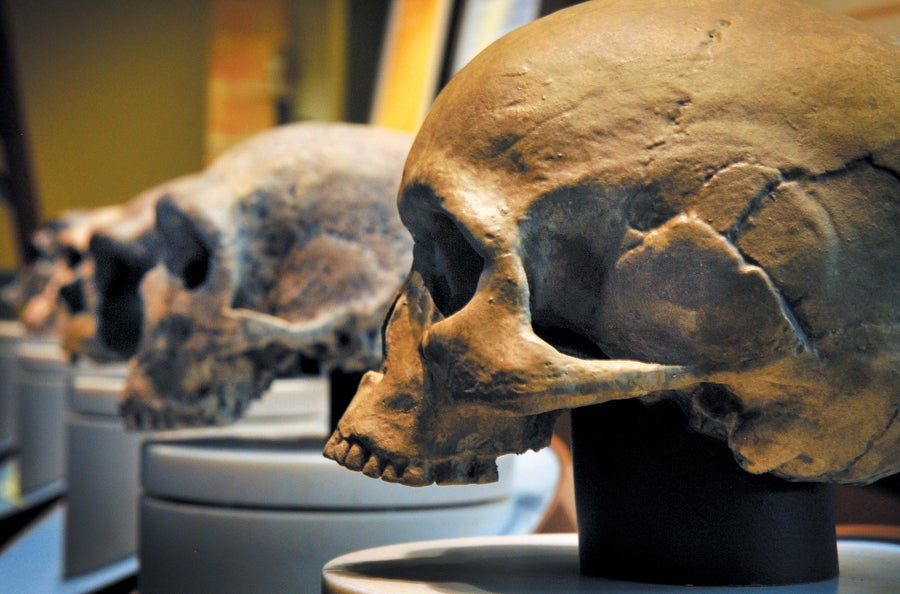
x=285 y=260
x=34 y=292
x=660 y=199
x=53 y=292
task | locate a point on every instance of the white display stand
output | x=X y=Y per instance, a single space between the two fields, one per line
x=101 y=524
x=265 y=514
x=89 y=541
x=103 y=457
x=10 y=333
x=42 y=375
x=539 y=564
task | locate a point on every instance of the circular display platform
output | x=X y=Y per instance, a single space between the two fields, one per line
x=549 y=563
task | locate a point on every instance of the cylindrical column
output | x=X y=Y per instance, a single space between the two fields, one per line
x=10 y=333
x=660 y=503
x=42 y=376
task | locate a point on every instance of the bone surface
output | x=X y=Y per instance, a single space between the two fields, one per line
x=664 y=199
x=283 y=260
x=34 y=292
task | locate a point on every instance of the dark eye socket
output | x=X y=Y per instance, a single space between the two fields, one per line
x=73 y=257
x=195 y=270
x=185 y=252
x=72 y=296
x=449 y=265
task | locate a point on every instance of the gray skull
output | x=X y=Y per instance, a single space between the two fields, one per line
x=285 y=258
x=662 y=199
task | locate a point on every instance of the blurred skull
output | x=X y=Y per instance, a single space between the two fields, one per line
x=37 y=289
x=285 y=259
x=664 y=199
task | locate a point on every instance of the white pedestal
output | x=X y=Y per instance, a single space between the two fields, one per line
x=264 y=515
x=103 y=457
x=42 y=374
x=102 y=472
x=10 y=333
x=539 y=564
x=87 y=543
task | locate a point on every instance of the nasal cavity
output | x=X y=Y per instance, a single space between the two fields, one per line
x=449 y=265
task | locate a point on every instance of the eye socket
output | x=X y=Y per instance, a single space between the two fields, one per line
x=72 y=256
x=449 y=265
x=72 y=296
x=185 y=251
x=195 y=269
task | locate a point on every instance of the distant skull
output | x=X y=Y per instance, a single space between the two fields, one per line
x=664 y=199
x=35 y=290
x=284 y=260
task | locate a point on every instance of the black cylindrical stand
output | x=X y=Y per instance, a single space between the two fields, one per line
x=659 y=503
x=342 y=387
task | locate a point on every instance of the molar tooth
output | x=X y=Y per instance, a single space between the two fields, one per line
x=415 y=476
x=390 y=474
x=371 y=467
x=356 y=457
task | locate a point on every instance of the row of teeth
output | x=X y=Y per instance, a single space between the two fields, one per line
x=355 y=456
x=149 y=418
x=349 y=452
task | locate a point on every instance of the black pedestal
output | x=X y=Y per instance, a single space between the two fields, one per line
x=342 y=386
x=660 y=503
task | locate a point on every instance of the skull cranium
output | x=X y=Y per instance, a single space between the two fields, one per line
x=284 y=259
x=697 y=201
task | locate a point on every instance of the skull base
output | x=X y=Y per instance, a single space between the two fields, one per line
x=658 y=502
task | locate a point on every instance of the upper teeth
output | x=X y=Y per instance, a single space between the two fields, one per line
x=356 y=456
x=415 y=473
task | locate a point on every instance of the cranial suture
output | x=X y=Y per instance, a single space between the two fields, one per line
x=696 y=201
x=283 y=260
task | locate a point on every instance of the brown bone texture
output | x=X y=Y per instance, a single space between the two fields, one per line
x=282 y=260
x=669 y=199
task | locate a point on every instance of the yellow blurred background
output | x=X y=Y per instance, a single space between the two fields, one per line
x=114 y=93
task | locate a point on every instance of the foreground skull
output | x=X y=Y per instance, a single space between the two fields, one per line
x=285 y=258
x=660 y=199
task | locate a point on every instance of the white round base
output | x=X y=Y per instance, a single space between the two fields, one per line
x=42 y=373
x=10 y=333
x=539 y=564
x=103 y=458
x=254 y=516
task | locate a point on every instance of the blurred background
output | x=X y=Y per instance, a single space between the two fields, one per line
x=114 y=97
